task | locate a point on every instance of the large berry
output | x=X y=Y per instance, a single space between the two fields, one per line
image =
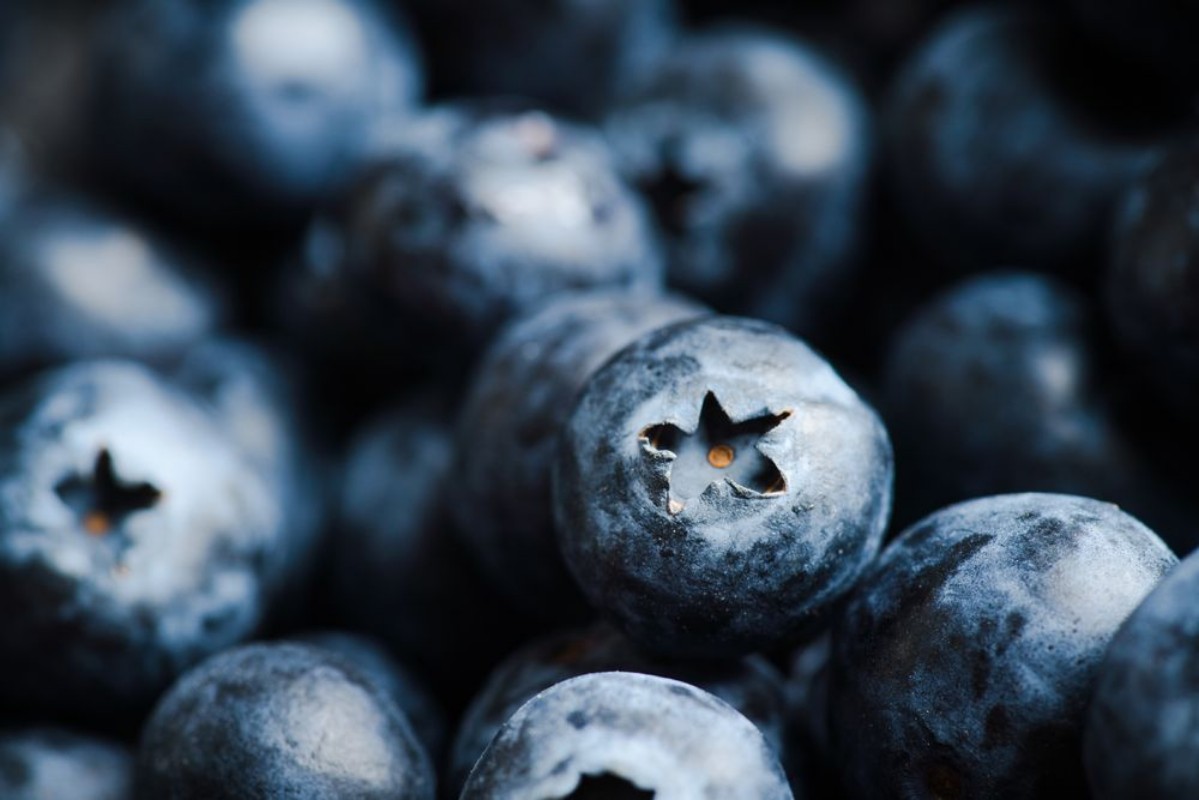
x=719 y=488
x=754 y=152
x=964 y=664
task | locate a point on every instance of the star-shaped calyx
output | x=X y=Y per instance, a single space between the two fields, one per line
x=718 y=450
x=102 y=500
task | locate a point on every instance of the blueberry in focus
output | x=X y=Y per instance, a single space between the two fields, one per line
x=240 y=113
x=998 y=385
x=627 y=736
x=399 y=571
x=407 y=690
x=963 y=665
x=48 y=763
x=571 y=55
x=78 y=281
x=751 y=685
x=135 y=540
x=754 y=152
x=509 y=426
x=997 y=152
x=1153 y=279
x=279 y=720
x=719 y=488
x=1143 y=729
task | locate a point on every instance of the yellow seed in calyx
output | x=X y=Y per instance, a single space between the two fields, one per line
x=721 y=456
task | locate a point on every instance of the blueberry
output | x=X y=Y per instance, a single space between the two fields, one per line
x=237 y=113
x=719 y=487
x=78 y=281
x=406 y=690
x=469 y=216
x=1020 y=352
x=754 y=151
x=997 y=154
x=135 y=540
x=399 y=570
x=518 y=402
x=628 y=736
x=572 y=55
x=41 y=763
x=751 y=685
x=1153 y=280
x=963 y=665
x=279 y=720
x=1143 y=729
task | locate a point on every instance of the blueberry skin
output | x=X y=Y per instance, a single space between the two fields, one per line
x=508 y=430
x=135 y=540
x=45 y=763
x=239 y=113
x=692 y=559
x=963 y=665
x=750 y=685
x=994 y=157
x=572 y=55
x=280 y=720
x=255 y=393
x=1143 y=728
x=78 y=281
x=1152 y=282
x=1020 y=351
x=399 y=570
x=657 y=737
x=399 y=683
x=471 y=215
x=754 y=151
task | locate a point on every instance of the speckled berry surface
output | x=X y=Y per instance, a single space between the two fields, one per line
x=657 y=738
x=963 y=666
x=719 y=487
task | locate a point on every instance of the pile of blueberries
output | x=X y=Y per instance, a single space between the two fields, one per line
x=577 y=399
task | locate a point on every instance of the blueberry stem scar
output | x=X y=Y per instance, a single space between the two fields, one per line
x=102 y=500
x=720 y=449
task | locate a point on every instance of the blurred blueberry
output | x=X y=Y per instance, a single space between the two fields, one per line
x=399 y=571
x=964 y=664
x=1008 y=144
x=998 y=385
x=1153 y=280
x=754 y=152
x=136 y=538
x=78 y=281
x=239 y=113
x=467 y=217
x=48 y=763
